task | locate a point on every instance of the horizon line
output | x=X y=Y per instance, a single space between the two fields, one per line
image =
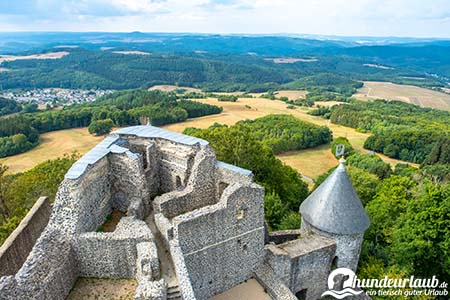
x=285 y=34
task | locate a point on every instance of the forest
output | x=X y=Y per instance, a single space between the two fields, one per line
x=408 y=207
x=399 y=130
x=284 y=133
x=87 y=68
x=19 y=192
x=8 y=106
x=20 y=133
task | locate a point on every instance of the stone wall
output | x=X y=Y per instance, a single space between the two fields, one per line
x=303 y=264
x=277 y=290
x=223 y=243
x=199 y=192
x=166 y=162
x=16 y=248
x=348 y=247
x=283 y=236
x=111 y=254
x=49 y=272
x=129 y=185
x=91 y=193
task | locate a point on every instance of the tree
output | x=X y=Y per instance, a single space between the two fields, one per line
x=370 y=163
x=290 y=221
x=365 y=184
x=274 y=210
x=20 y=191
x=390 y=202
x=101 y=127
x=4 y=184
x=30 y=107
x=421 y=241
x=344 y=141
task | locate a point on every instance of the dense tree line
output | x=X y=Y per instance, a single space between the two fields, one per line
x=8 y=106
x=21 y=133
x=285 y=133
x=101 y=127
x=326 y=87
x=212 y=72
x=18 y=192
x=239 y=145
x=408 y=209
x=400 y=130
x=227 y=98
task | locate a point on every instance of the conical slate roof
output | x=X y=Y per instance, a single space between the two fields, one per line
x=334 y=206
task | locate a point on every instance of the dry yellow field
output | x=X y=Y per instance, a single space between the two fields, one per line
x=310 y=162
x=171 y=88
x=51 y=55
x=53 y=144
x=291 y=94
x=132 y=52
x=406 y=93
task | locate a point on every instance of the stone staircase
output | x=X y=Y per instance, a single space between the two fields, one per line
x=173 y=293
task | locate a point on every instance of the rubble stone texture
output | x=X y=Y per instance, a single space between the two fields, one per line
x=206 y=215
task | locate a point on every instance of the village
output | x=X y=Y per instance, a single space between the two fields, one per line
x=54 y=96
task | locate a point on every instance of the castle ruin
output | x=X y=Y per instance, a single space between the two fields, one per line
x=194 y=226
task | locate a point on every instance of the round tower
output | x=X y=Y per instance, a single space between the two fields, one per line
x=335 y=211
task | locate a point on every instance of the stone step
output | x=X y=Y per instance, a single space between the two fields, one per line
x=174 y=293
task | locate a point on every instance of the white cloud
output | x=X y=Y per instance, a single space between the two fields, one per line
x=334 y=17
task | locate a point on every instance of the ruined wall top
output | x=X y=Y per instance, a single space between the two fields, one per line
x=108 y=145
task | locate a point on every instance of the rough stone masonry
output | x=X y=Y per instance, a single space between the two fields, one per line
x=208 y=216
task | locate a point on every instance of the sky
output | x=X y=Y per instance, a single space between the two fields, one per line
x=411 y=18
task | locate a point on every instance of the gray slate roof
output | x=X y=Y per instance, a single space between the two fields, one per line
x=147 y=131
x=334 y=206
x=113 y=141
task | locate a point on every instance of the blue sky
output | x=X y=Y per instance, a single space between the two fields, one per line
x=415 y=18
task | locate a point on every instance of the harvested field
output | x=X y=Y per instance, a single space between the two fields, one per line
x=309 y=162
x=291 y=94
x=132 y=52
x=290 y=60
x=171 y=88
x=406 y=93
x=53 y=144
x=51 y=55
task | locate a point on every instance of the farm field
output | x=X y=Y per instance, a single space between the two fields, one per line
x=132 y=52
x=51 y=55
x=309 y=162
x=291 y=94
x=53 y=144
x=406 y=93
x=171 y=88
